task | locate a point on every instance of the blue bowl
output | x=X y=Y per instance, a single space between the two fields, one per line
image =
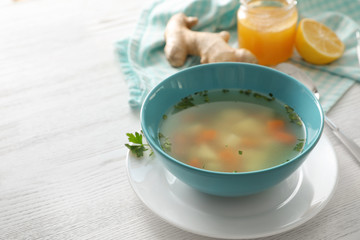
x=227 y=76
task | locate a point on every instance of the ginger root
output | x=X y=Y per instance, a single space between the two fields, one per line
x=211 y=47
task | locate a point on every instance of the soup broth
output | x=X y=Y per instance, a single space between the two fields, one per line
x=232 y=131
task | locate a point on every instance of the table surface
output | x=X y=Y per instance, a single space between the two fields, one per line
x=63 y=102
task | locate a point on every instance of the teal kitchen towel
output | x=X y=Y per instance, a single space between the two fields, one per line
x=144 y=64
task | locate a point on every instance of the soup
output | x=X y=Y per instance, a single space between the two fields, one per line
x=231 y=131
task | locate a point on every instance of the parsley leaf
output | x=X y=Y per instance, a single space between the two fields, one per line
x=165 y=143
x=135 y=138
x=185 y=103
x=292 y=115
x=225 y=90
x=137 y=147
x=138 y=150
x=299 y=146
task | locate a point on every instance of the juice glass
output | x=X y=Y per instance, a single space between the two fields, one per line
x=267 y=28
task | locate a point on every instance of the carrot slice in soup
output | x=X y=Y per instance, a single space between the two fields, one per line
x=250 y=142
x=195 y=162
x=276 y=128
x=206 y=136
x=276 y=124
x=284 y=137
x=229 y=158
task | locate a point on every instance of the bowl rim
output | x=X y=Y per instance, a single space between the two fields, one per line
x=191 y=68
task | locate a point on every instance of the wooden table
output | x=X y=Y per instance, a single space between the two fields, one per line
x=64 y=115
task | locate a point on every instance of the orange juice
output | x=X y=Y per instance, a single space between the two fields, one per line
x=268 y=29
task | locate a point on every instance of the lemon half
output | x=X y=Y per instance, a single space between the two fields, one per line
x=316 y=43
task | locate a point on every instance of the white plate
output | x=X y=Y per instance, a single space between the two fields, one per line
x=281 y=208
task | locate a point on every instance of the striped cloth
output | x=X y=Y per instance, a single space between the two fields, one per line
x=144 y=64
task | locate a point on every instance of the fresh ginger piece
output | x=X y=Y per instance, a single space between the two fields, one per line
x=211 y=47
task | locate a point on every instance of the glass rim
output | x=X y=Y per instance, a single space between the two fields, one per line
x=290 y=3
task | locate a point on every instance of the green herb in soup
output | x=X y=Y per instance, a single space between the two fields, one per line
x=232 y=131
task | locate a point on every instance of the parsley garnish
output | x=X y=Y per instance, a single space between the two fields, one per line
x=137 y=147
x=248 y=92
x=292 y=115
x=225 y=90
x=269 y=99
x=166 y=144
x=240 y=152
x=203 y=94
x=300 y=145
x=185 y=103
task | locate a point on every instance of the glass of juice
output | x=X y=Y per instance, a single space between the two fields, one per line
x=267 y=28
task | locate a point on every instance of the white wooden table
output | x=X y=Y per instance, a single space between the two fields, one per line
x=64 y=115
